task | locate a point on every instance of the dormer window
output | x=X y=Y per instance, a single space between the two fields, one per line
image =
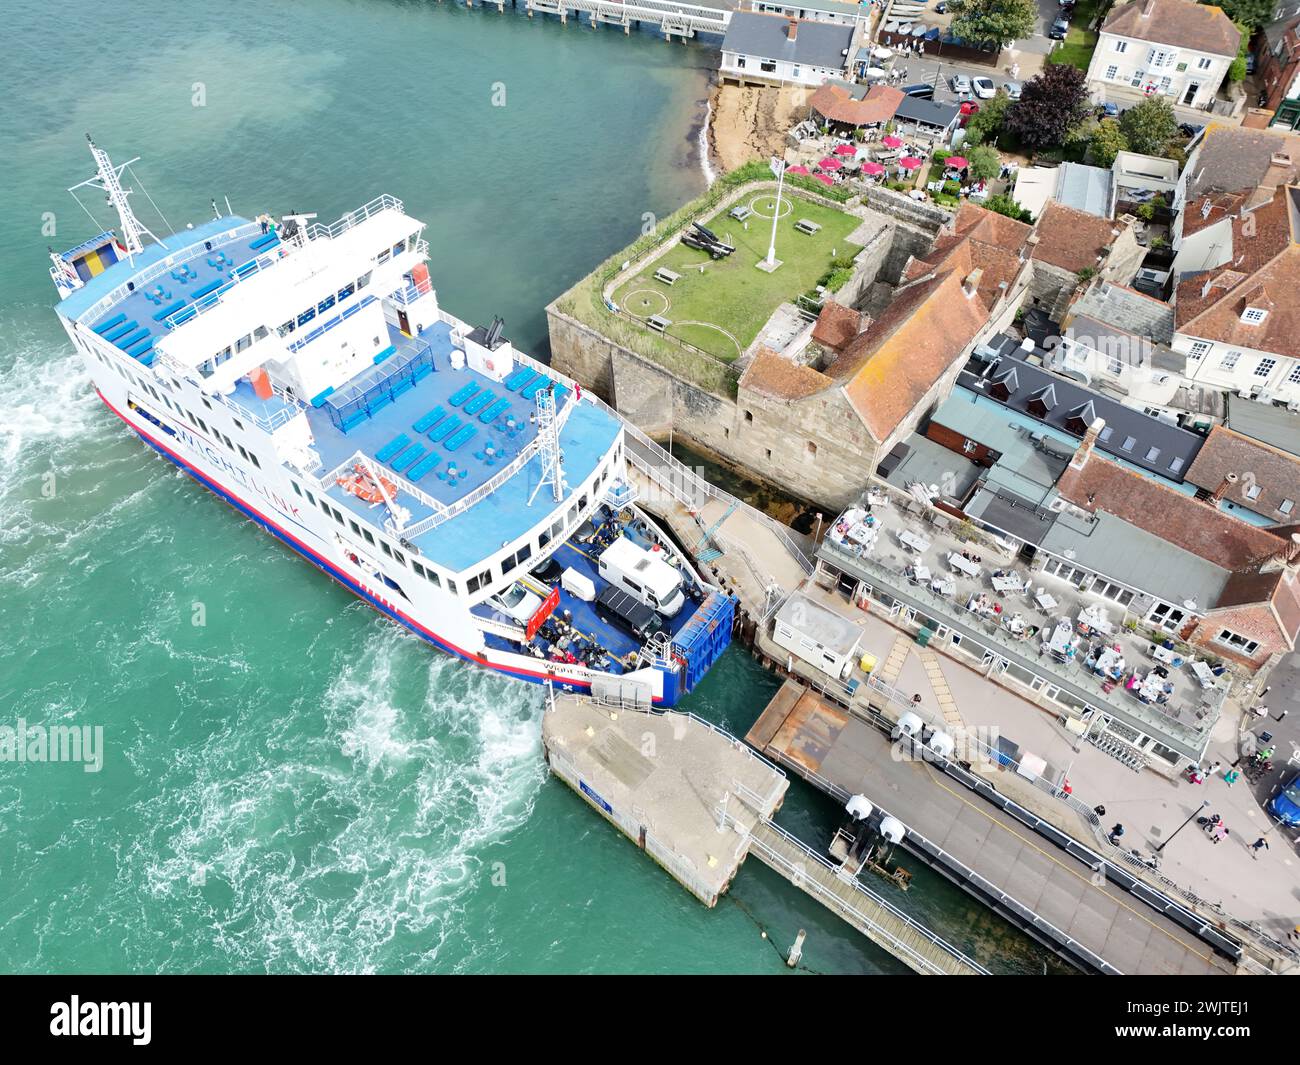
x=1253 y=315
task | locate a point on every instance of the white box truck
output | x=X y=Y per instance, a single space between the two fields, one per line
x=644 y=575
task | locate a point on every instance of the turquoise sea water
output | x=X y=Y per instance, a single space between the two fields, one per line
x=295 y=784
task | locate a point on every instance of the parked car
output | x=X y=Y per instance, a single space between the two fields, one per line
x=1285 y=805
x=922 y=90
x=941 y=7
x=984 y=88
x=960 y=84
x=1012 y=89
x=1059 y=29
x=1108 y=111
x=517 y=602
x=968 y=108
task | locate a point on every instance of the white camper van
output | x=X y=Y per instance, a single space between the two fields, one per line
x=644 y=575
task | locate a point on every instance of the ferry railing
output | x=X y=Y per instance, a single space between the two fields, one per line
x=444 y=513
x=329 y=480
x=203 y=304
x=384 y=202
x=161 y=267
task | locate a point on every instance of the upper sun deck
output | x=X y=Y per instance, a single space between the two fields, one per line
x=416 y=418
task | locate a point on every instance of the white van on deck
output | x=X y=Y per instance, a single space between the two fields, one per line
x=644 y=575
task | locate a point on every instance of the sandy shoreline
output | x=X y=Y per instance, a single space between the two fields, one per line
x=750 y=123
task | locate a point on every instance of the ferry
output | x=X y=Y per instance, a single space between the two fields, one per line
x=306 y=374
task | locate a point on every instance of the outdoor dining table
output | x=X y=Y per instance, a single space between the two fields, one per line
x=1046 y=600
x=1009 y=582
x=1152 y=687
x=963 y=565
x=1167 y=655
x=1110 y=662
x=943 y=585
x=911 y=540
x=920 y=574
x=1061 y=639
x=1095 y=617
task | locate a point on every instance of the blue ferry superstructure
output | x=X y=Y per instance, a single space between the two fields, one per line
x=306 y=374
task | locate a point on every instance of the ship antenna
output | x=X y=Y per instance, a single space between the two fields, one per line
x=108 y=179
x=548 y=437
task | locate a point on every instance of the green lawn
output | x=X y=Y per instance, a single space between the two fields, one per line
x=1080 y=42
x=720 y=306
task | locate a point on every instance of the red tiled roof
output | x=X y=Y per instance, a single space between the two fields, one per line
x=772 y=375
x=837 y=325
x=1072 y=239
x=1276 y=474
x=983 y=240
x=838 y=105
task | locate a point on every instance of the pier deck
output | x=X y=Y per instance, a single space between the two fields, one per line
x=1050 y=893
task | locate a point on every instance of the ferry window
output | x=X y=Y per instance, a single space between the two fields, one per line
x=451 y=586
x=525 y=553
x=205 y=402
x=383 y=256
x=582 y=501
x=325 y=304
x=346 y=291
x=253 y=459
x=338 y=517
x=238 y=423
x=369 y=539
x=310 y=498
x=356 y=529
x=399 y=247
x=508 y=563
x=485 y=577
x=244 y=343
x=543 y=539
x=417 y=567
x=471 y=585
x=261 y=332
x=364 y=279
x=242 y=452
x=401 y=558
x=307 y=316
x=201 y=425
x=435 y=580
x=298 y=491
x=287 y=328
x=383 y=546
x=573 y=515
x=557 y=529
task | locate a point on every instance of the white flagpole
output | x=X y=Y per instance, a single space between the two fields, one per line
x=776 y=214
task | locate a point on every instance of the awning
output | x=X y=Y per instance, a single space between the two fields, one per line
x=909 y=162
x=960 y=162
x=829 y=163
x=891 y=141
x=872 y=169
x=845 y=149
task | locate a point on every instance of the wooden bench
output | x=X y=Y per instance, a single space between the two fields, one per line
x=658 y=323
x=805 y=226
x=668 y=277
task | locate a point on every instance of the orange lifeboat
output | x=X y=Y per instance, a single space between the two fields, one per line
x=362 y=485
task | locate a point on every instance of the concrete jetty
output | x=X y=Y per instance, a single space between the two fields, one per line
x=699 y=801
x=1050 y=892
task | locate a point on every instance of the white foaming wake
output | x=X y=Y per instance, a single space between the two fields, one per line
x=706 y=164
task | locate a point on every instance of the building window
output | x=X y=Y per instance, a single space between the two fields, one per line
x=1166 y=616
x=1176 y=465
x=1199 y=349
x=1294 y=376
x=1111 y=72
x=740 y=61
x=1265 y=367
x=749 y=415
x=1253 y=491
x=809 y=450
x=767 y=66
x=1153 y=454
x=1228 y=638
x=1121 y=46
x=1129 y=441
x=1230 y=360
x=1286 y=506
x=1253 y=315
x=1203 y=63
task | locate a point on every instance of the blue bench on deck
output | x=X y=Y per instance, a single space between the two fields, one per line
x=171 y=308
x=430 y=420
x=119 y=331
x=408 y=457
x=263 y=242
x=465 y=392
x=423 y=466
x=533 y=387
x=461 y=437
x=132 y=338
x=479 y=402
x=392 y=447
x=493 y=412
x=184 y=315
x=245 y=268
x=445 y=428
x=140 y=348
x=519 y=378
x=211 y=286
x=108 y=323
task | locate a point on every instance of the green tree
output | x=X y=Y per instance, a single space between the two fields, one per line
x=1149 y=126
x=1106 y=143
x=1050 y=105
x=986 y=123
x=1004 y=204
x=985 y=163
x=1251 y=13
x=1237 y=71
x=994 y=23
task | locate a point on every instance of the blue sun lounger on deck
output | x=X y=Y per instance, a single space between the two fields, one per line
x=109 y=323
x=493 y=412
x=132 y=338
x=392 y=447
x=424 y=466
x=429 y=420
x=171 y=308
x=479 y=402
x=519 y=378
x=533 y=387
x=445 y=428
x=461 y=437
x=264 y=242
x=119 y=331
x=139 y=349
x=468 y=390
x=408 y=457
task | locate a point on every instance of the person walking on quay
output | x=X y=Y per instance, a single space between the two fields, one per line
x=1220 y=832
x=1260 y=844
x=1231 y=777
x=1100 y=811
x=1214 y=769
x=1115 y=834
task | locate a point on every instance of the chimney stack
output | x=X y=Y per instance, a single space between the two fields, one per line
x=971 y=283
x=1229 y=479
x=792 y=29
x=1084 y=450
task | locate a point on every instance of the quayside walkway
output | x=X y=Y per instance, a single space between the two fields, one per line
x=1053 y=894
x=699 y=801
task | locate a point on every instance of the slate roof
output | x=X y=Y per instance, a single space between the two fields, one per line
x=816 y=44
x=1181 y=23
x=927 y=112
x=1236 y=159
x=1275 y=473
x=1127 y=309
x=1086 y=188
